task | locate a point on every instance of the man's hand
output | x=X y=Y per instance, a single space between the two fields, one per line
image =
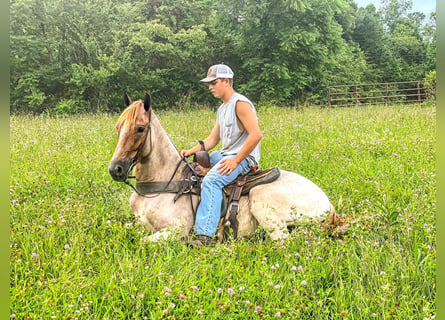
x=226 y=166
x=186 y=153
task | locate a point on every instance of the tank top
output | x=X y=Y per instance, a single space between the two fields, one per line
x=232 y=138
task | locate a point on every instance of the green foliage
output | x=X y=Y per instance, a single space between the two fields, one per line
x=76 y=250
x=287 y=51
x=68 y=106
x=370 y=36
x=429 y=34
x=288 y=47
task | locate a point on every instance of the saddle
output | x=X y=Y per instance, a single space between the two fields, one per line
x=239 y=187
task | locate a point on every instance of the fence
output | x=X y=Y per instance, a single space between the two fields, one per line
x=376 y=93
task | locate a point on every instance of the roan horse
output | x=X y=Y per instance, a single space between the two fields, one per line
x=144 y=145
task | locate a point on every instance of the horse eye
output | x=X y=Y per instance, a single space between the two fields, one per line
x=140 y=129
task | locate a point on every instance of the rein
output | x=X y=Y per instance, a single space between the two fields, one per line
x=166 y=186
x=182 y=188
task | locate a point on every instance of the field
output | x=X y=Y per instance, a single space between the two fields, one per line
x=74 y=244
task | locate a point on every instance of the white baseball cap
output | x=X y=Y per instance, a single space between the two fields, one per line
x=218 y=71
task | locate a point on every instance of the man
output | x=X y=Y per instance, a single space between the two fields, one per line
x=237 y=129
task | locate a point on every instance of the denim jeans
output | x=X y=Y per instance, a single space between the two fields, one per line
x=209 y=209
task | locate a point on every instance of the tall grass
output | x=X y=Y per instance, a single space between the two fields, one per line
x=76 y=254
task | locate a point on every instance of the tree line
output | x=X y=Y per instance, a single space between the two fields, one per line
x=71 y=56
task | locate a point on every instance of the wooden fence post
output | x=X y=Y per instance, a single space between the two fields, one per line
x=329 y=97
x=419 y=97
x=356 y=95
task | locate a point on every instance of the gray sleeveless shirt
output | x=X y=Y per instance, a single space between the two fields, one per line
x=232 y=138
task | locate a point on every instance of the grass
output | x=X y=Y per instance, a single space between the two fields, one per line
x=75 y=251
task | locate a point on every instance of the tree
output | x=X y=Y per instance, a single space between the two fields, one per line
x=429 y=36
x=404 y=41
x=69 y=56
x=287 y=47
x=369 y=35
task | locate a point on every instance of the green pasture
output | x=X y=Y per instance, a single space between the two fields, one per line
x=74 y=244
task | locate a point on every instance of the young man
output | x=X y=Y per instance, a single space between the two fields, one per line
x=237 y=129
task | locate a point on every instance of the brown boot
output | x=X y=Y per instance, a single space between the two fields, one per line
x=200 y=241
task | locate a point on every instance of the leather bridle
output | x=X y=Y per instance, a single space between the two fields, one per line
x=193 y=179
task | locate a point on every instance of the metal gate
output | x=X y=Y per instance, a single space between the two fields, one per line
x=376 y=93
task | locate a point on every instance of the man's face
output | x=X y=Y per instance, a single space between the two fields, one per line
x=217 y=87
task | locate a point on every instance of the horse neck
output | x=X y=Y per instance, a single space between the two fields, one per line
x=162 y=160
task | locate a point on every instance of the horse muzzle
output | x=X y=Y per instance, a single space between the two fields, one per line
x=119 y=170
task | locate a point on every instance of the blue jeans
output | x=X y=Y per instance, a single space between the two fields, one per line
x=209 y=209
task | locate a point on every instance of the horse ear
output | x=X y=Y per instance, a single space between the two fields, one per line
x=127 y=98
x=147 y=101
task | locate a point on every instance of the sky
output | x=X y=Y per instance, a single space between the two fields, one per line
x=425 y=6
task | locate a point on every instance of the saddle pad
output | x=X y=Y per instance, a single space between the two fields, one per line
x=254 y=178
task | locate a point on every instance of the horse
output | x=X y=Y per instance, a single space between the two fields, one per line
x=145 y=148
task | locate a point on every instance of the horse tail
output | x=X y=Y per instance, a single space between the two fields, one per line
x=333 y=218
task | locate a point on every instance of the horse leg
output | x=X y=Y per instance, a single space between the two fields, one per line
x=179 y=229
x=161 y=235
x=166 y=221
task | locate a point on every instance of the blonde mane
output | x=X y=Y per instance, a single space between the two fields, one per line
x=128 y=116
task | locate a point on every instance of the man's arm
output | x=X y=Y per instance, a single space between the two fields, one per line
x=248 y=120
x=209 y=143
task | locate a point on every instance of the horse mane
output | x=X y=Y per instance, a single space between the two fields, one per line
x=128 y=116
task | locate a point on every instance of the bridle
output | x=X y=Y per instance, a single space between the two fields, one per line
x=190 y=183
x=138 y=154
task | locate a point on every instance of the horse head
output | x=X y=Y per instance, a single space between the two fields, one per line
x=133 y=131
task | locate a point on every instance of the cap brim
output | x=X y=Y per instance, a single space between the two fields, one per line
x=208 y=79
